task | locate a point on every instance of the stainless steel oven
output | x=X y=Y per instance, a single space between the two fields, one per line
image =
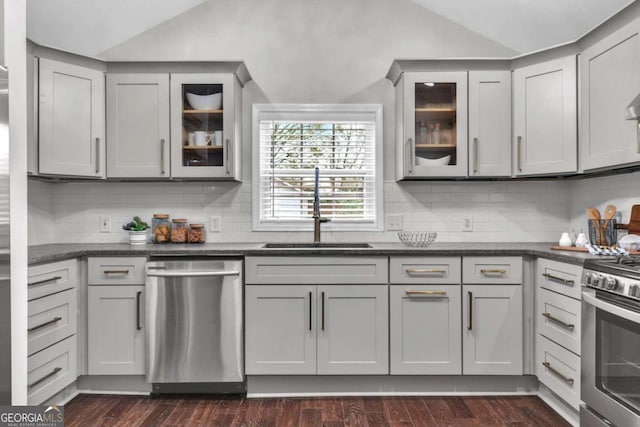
x=610 y=352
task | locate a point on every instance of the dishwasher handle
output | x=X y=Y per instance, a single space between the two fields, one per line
x=186 y=273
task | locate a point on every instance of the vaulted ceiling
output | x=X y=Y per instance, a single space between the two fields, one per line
x=90 y=27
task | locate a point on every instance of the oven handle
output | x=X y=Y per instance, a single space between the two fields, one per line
x=610 y=308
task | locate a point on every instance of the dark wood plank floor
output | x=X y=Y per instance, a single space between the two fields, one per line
x=199 y=410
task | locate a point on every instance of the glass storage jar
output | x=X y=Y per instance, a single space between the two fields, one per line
x=161 y=228
x=179 y=230
x=196 y=233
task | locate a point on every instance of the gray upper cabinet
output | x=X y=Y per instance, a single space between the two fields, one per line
x=431 y=120
x=280 y=336
x=545 y=118
x=610 y=81
x=489 y=123
x=353 y=330
x=71 y=120
x=205 y=125
x=425 y=330
x=492 y=330
x=138 y=125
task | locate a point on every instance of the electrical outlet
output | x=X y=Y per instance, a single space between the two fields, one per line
x=467 y=223
x=105 y=224
x=394 y=222
x=215 y=224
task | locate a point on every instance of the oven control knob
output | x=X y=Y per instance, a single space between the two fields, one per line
x=634 y=291
x=611 y=283
x=596 y=280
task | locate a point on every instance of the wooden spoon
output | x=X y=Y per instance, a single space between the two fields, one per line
x=594 y=214
x=609 y=212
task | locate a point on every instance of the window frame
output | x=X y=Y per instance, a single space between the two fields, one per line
x=295 y=112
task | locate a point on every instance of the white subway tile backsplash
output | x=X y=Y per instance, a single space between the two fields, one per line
x=501 y=211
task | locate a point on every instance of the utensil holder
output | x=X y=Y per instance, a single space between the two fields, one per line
x=602 y=232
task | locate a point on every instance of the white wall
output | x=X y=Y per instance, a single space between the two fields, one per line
x=307 y=51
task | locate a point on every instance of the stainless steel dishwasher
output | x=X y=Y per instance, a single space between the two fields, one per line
x=194 y=324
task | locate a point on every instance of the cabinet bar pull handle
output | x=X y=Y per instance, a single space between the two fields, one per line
x=426 y=292
x=310 y=311
x=97 y=155
x=138 y=295
x=323 y=310
x=638 y=139
x=426 y=271
x=470 y=325
x=42 y=325
x=559 y=322
x=410 y=153
x=558 y=279
x=518 y=154
x=162 y=170
x=557 y=374
x=226 y=154
x=42 y=282
x=475 y=155
x=116 y=272
x=493 y=271
x=50 y=374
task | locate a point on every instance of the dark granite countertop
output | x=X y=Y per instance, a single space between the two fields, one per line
x=56 y=252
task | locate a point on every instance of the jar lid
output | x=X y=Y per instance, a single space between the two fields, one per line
x=161 y=216
x=196 y=225
x=179 y=220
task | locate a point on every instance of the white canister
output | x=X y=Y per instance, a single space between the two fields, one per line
x=217 y=137
x=581 y=240
x=565 y=240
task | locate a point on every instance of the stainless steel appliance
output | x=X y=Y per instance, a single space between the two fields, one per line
x=194 y=325
x=5 y=267
x=611 y=343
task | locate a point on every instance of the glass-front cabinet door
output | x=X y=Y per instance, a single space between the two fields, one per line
x=435 y=124
x=204 y=138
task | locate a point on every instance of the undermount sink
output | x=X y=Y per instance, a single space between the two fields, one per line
x=315 y=245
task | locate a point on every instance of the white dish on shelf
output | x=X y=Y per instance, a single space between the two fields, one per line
x=205 y=102
x=442 y=161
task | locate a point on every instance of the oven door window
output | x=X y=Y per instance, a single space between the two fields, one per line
x=618 y=359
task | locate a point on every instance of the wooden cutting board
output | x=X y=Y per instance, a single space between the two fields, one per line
x=574 y=249
x=633 y=227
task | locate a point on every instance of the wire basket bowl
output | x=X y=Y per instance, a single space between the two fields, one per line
x=417 y=239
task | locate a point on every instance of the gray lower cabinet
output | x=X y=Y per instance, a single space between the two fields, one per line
x=280 y=330
x=309 y=330
x=425 y=322
x=492 y=330
x=353 y=330
x=116 y=334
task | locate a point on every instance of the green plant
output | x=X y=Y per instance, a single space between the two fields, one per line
x=136 y=225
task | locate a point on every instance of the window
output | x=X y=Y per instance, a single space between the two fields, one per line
x=343 y=141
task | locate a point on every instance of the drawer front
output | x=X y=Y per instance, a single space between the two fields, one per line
x=52 y=319
x=306 y=270
x=428 y=270
x=559 y=277
x=492 y=270
x=51 y=370
x=47 y=279
x=558 y=369
x=558 y=318
x=116 y=271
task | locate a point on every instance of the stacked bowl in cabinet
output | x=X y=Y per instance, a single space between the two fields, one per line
x=558 y=308
x=52 y=328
